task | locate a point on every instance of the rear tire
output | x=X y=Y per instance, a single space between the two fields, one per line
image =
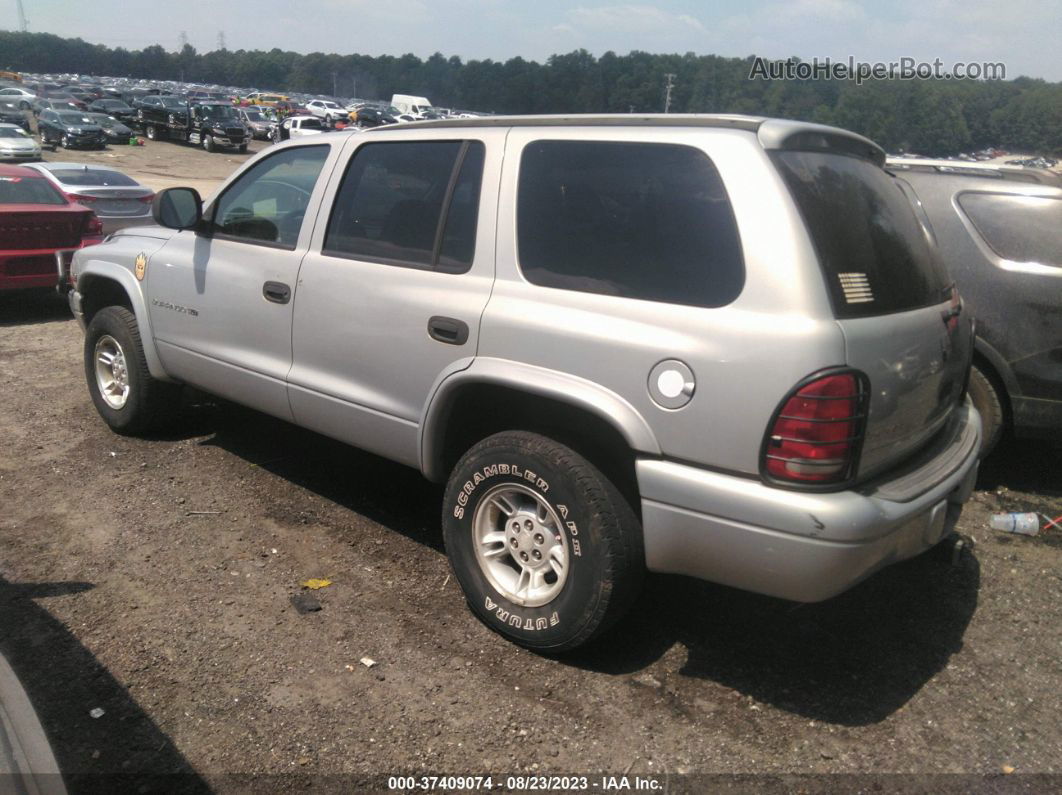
x=521 y=495
x=126 y=396
x=987 y=401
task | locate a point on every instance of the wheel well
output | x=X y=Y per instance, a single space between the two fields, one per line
x=477 y=411
x=100 y=292
x=982 y=363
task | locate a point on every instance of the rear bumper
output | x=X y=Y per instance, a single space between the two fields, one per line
x=796 y=545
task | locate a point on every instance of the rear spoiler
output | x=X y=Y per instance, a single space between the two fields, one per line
x=802 y=137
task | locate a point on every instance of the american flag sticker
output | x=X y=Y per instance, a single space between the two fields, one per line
x=856 y=288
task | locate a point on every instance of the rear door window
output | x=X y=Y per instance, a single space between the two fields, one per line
x=635 y=220
x=875 y=255
x=1018 y=228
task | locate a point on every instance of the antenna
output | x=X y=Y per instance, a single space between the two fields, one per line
x=667 y=97
x=23 y=23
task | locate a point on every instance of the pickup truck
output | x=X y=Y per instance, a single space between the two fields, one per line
x=212 y=125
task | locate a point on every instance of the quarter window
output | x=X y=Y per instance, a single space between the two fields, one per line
x=266 y=205
x=634 y=220
x=1018 y=228
x=409 y=203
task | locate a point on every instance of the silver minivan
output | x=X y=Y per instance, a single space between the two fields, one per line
x=719 y=346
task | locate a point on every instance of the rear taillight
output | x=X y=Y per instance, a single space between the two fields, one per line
x=93 y=226
x=816 y=434
x=77 y=197
x=147 y=199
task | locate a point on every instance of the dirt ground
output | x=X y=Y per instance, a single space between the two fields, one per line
x=153 y=578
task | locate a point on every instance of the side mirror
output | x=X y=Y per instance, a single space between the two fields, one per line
x=178 y=208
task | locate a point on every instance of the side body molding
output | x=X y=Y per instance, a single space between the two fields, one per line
x=562 y=387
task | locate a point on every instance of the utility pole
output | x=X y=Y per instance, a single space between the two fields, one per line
x=23 y=23
x=667 y=96
x=335 y=93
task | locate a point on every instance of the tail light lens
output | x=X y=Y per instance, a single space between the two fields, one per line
x=77 y=197
x=147 y=199
x=93 y=226
x=816 y=434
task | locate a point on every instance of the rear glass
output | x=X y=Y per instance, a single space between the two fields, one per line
x=28 y=190
x=648 y=221
x=93 y=176
x=874 y=253
x=1018 y=228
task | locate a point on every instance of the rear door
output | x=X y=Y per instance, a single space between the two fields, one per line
x=891 y=296
x=390 y=295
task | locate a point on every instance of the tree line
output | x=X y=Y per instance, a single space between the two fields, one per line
x=931 y=117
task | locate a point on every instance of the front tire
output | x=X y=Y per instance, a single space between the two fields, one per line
x=548 y=552
x=66 y=142
x=208 y=142
x=987 y=401
x=128 y=399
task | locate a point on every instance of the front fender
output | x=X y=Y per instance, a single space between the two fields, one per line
x=91 y=267
x=562 y=387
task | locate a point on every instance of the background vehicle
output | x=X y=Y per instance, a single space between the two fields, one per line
x=69 y=129
x=16 y=144
x=325 y=109
x=10 y=113
x=154 y=112
x=114 y=130
x=115 y=108
x=414 y=106
x=1000 y=232
x=656 y=350
x=36 y=221
x=22 y=96
x=371 y=117
x=117 y=199
x=257 y=122
x=296 y=127
x=265 y=99
x=210 y=125
x=42 y=105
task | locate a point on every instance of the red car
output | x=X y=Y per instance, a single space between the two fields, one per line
x=37 y=222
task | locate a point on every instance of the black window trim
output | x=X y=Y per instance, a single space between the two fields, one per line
x=264 y=243
x=444 y=215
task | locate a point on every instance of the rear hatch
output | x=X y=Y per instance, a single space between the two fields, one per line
x=891 y=296
x=109 y=202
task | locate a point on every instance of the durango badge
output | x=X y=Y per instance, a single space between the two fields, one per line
x=140 y=266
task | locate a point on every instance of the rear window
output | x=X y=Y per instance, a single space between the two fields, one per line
x=1018 y=228
x=874 y=253
x=634 y=220
x=28 y=190
x=93 y=176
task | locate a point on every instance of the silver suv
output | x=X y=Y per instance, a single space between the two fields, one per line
x=718 y=346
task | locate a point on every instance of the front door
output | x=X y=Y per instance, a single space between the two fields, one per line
x=391 y=293
x=221 y=300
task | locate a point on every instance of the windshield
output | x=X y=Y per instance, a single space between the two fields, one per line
x=172 y=102
x=218 y=112
x=75 y=118
x=103 y=120
x=254 y=115
x=93 y=176
x=12 y=132
x=113 y=104
x=28 y=190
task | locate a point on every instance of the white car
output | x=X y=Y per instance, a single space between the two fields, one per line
x=23 y=97
x=16 y=144
x=326 y=109
x=296 y=127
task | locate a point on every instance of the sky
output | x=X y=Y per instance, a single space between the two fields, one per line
x=1022 y=34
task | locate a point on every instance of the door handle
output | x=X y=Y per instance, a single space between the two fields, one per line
x=448 y=330
x=276 y=292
